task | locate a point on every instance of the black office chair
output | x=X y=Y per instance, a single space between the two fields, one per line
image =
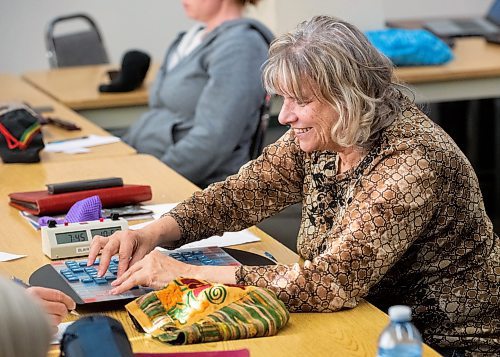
x=85 y=47
x=260 y=134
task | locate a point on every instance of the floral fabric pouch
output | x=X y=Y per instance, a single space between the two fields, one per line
x=190 y=311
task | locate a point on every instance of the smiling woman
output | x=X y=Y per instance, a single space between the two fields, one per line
x=350 y=93
x=392 y=211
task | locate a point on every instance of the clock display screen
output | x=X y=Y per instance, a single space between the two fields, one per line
x=71 y=237
x=105 y=232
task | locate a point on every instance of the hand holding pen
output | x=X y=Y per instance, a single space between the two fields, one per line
x=55 y=303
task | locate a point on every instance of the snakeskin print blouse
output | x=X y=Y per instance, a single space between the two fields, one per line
x=406 y=226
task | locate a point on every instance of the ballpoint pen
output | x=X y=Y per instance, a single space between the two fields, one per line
x=19 y=282
x=67 y=140
x=26 y=285
x=270 y=256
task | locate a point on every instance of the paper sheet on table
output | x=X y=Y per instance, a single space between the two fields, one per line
x=5 y=257
x=160 y=209
x=227 y=239
x=80 y=145
x=61 y=328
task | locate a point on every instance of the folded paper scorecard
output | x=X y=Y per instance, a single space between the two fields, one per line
x=44 y=203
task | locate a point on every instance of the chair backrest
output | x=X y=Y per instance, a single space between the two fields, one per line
x=84 y=47
x=259 y=135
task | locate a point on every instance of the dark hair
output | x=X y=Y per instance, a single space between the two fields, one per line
x=251 y=2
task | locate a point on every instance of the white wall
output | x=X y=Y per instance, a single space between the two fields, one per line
x=284 y=15
x=401 y=9
x=150 y=25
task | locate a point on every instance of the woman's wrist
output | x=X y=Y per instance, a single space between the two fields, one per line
x=214 y=274
x=163 y=232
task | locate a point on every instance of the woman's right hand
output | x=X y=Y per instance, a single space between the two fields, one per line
x=131 y=246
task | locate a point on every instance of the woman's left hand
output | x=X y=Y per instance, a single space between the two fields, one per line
x=54 y=302
x=155 y=270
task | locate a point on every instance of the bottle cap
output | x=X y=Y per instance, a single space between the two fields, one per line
x=400 y=313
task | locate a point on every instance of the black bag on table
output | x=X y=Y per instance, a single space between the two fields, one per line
x=95 y=336
x=20 y=134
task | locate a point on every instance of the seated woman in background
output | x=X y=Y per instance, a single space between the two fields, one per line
x=205 y=102
x=392 y=210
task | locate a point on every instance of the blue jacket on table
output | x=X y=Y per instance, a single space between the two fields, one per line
x=204 y=111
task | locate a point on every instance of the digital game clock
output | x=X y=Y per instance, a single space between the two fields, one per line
x=68 y=240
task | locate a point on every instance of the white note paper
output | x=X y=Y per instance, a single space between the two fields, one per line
x=61 y=328
x=80 y=145
x=5 y=257
x=226 y=240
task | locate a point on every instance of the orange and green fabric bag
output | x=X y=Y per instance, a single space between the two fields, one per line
x=190 y=311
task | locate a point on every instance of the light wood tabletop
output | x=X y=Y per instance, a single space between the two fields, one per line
x=346 y=333
x=77 y=87
x=473 y=58
x=13 y=88
x=474 y=73
x=167 y=187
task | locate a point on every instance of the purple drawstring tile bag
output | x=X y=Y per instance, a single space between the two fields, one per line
x=88 y=209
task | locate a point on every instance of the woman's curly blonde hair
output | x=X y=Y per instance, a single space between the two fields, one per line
x=335 y=61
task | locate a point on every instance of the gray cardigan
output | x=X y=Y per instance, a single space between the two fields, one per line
x=204 y=111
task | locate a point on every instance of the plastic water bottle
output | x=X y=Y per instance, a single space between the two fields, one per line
x=401 y=338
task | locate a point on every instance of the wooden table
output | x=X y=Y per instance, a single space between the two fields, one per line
x=13 y=88
x=474 y=73
x=350 y=332
x=77 y=88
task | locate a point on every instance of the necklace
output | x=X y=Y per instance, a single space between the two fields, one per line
x=357 y=174
x=354 y=165
x=349 y=194
x=333 y=192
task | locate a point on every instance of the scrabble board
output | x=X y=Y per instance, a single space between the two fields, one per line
x=82 y=284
